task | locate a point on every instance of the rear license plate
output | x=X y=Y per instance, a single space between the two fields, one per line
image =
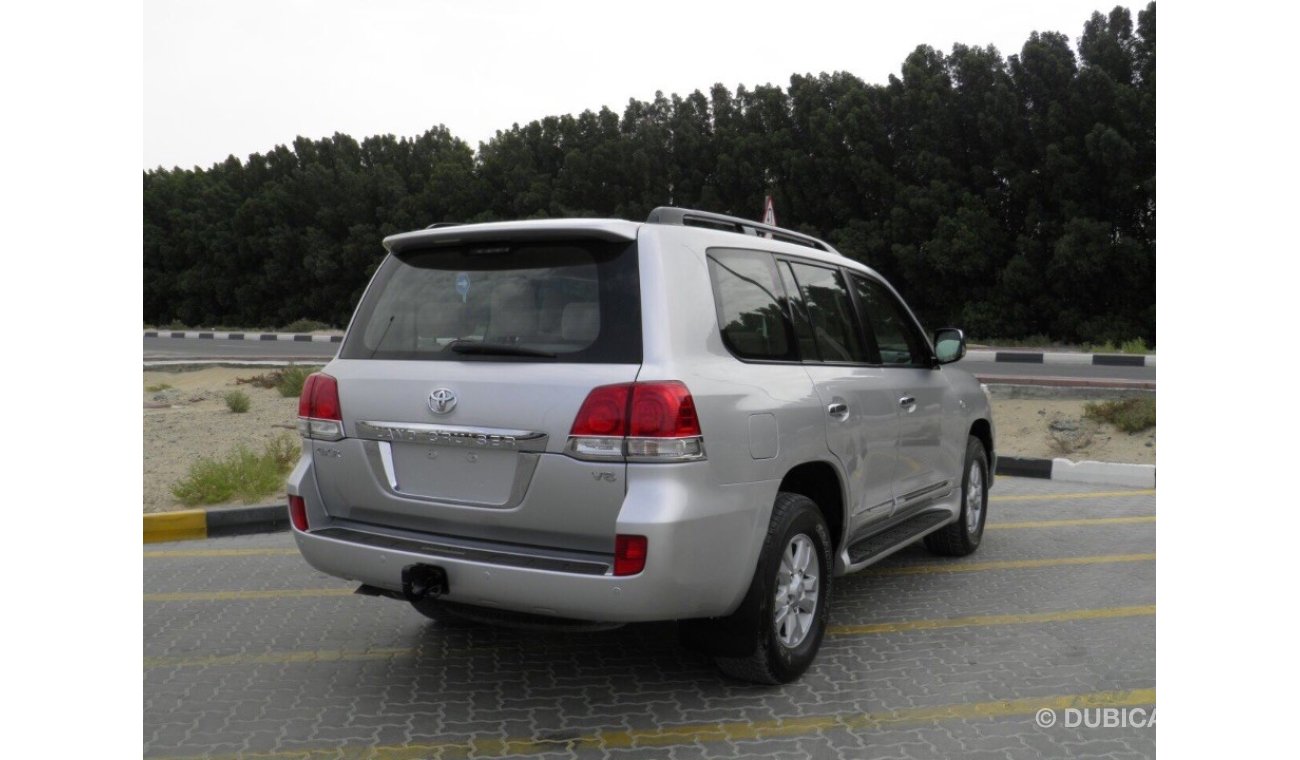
x=454 y=473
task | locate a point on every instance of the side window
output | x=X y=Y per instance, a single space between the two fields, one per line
x=803 y=330
x=748 y=297
x=830 y=313
x=896 y=333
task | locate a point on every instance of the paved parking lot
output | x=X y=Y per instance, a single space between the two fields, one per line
x=248 y=652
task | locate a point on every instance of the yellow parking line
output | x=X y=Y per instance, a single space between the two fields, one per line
x=1081 y=522
x=221 y=553
x=199 y=553
x=691 y=733
x=1083 y=495
x=898 y=626
x=987 y=620
x=1011 y=564
x=944 y=567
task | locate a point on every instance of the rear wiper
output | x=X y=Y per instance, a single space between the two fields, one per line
x=499 y=349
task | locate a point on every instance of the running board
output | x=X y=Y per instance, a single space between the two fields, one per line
x=888 y=541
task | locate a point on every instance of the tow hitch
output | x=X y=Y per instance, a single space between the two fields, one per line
x=423 y=581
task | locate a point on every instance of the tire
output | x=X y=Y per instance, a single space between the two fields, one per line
x=780 y=649
x=442 y=613
x=963 y=536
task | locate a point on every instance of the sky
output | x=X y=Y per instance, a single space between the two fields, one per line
x=238 y=77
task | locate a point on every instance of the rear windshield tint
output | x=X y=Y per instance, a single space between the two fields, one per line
x=570 y=302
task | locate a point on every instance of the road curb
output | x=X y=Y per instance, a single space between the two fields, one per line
x=1067 y=471
x=1068 y=382
x=289 y=337
x=1062 y=357
x=191 y=524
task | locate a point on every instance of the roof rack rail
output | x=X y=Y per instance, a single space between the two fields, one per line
x=436 y=225
x=691 y=218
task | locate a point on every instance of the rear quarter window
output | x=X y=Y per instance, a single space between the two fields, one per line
x=750 y=303
x=577 y=302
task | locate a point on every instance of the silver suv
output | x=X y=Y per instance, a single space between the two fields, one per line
x=697 y=418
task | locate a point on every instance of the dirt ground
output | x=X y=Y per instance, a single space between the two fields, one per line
x=193 y=422
x=1050 y=428
x=190 y=421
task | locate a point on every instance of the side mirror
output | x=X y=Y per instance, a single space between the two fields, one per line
x=949 y=344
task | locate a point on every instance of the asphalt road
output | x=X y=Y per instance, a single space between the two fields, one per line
x=176 y=349
x=170 y=349
x=247 y=650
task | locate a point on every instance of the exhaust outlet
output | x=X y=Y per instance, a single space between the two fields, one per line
x=421 y=582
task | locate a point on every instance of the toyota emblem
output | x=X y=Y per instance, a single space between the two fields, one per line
x=442 y=401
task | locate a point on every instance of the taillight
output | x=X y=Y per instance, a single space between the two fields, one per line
x=637 y=422
x=319 y=413
x=629 y=554
x=604 y=413
x=298 y=512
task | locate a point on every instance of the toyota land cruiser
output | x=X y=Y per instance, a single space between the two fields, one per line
x=696 y=418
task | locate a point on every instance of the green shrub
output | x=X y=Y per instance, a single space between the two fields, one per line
x=290 y=381
x=1132 y=415
x=237 y=402
x=284 y=451
x=1037 y=340
x=156 y=388
x=304 y=325
x=241 y=474
x=1135 y=346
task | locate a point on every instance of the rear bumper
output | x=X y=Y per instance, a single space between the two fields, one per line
x=702 y=550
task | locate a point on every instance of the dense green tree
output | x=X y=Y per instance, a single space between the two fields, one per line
x=1014 y=196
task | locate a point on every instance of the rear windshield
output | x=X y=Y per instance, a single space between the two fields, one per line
x=568 y=302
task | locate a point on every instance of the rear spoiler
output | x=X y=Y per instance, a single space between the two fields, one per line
x=541 y=230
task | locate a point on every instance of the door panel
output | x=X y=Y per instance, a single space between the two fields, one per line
x=861 y=417
x=922 y=471
x=863 y=438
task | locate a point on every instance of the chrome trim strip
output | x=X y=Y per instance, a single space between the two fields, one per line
x=386 y=458
x=452 y=435
x=888 y=503
x=918 y=493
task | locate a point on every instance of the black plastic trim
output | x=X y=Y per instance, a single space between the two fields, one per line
x=434 y=550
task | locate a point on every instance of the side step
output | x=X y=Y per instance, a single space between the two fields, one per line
x=887 y=540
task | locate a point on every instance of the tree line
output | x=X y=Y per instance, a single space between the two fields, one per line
x=1011 y=196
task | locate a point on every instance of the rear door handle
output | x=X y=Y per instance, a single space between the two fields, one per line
x=838 y=410
x=907 y=401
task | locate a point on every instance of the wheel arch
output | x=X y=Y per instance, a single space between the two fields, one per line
x=821 y=481
x=983 y=430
